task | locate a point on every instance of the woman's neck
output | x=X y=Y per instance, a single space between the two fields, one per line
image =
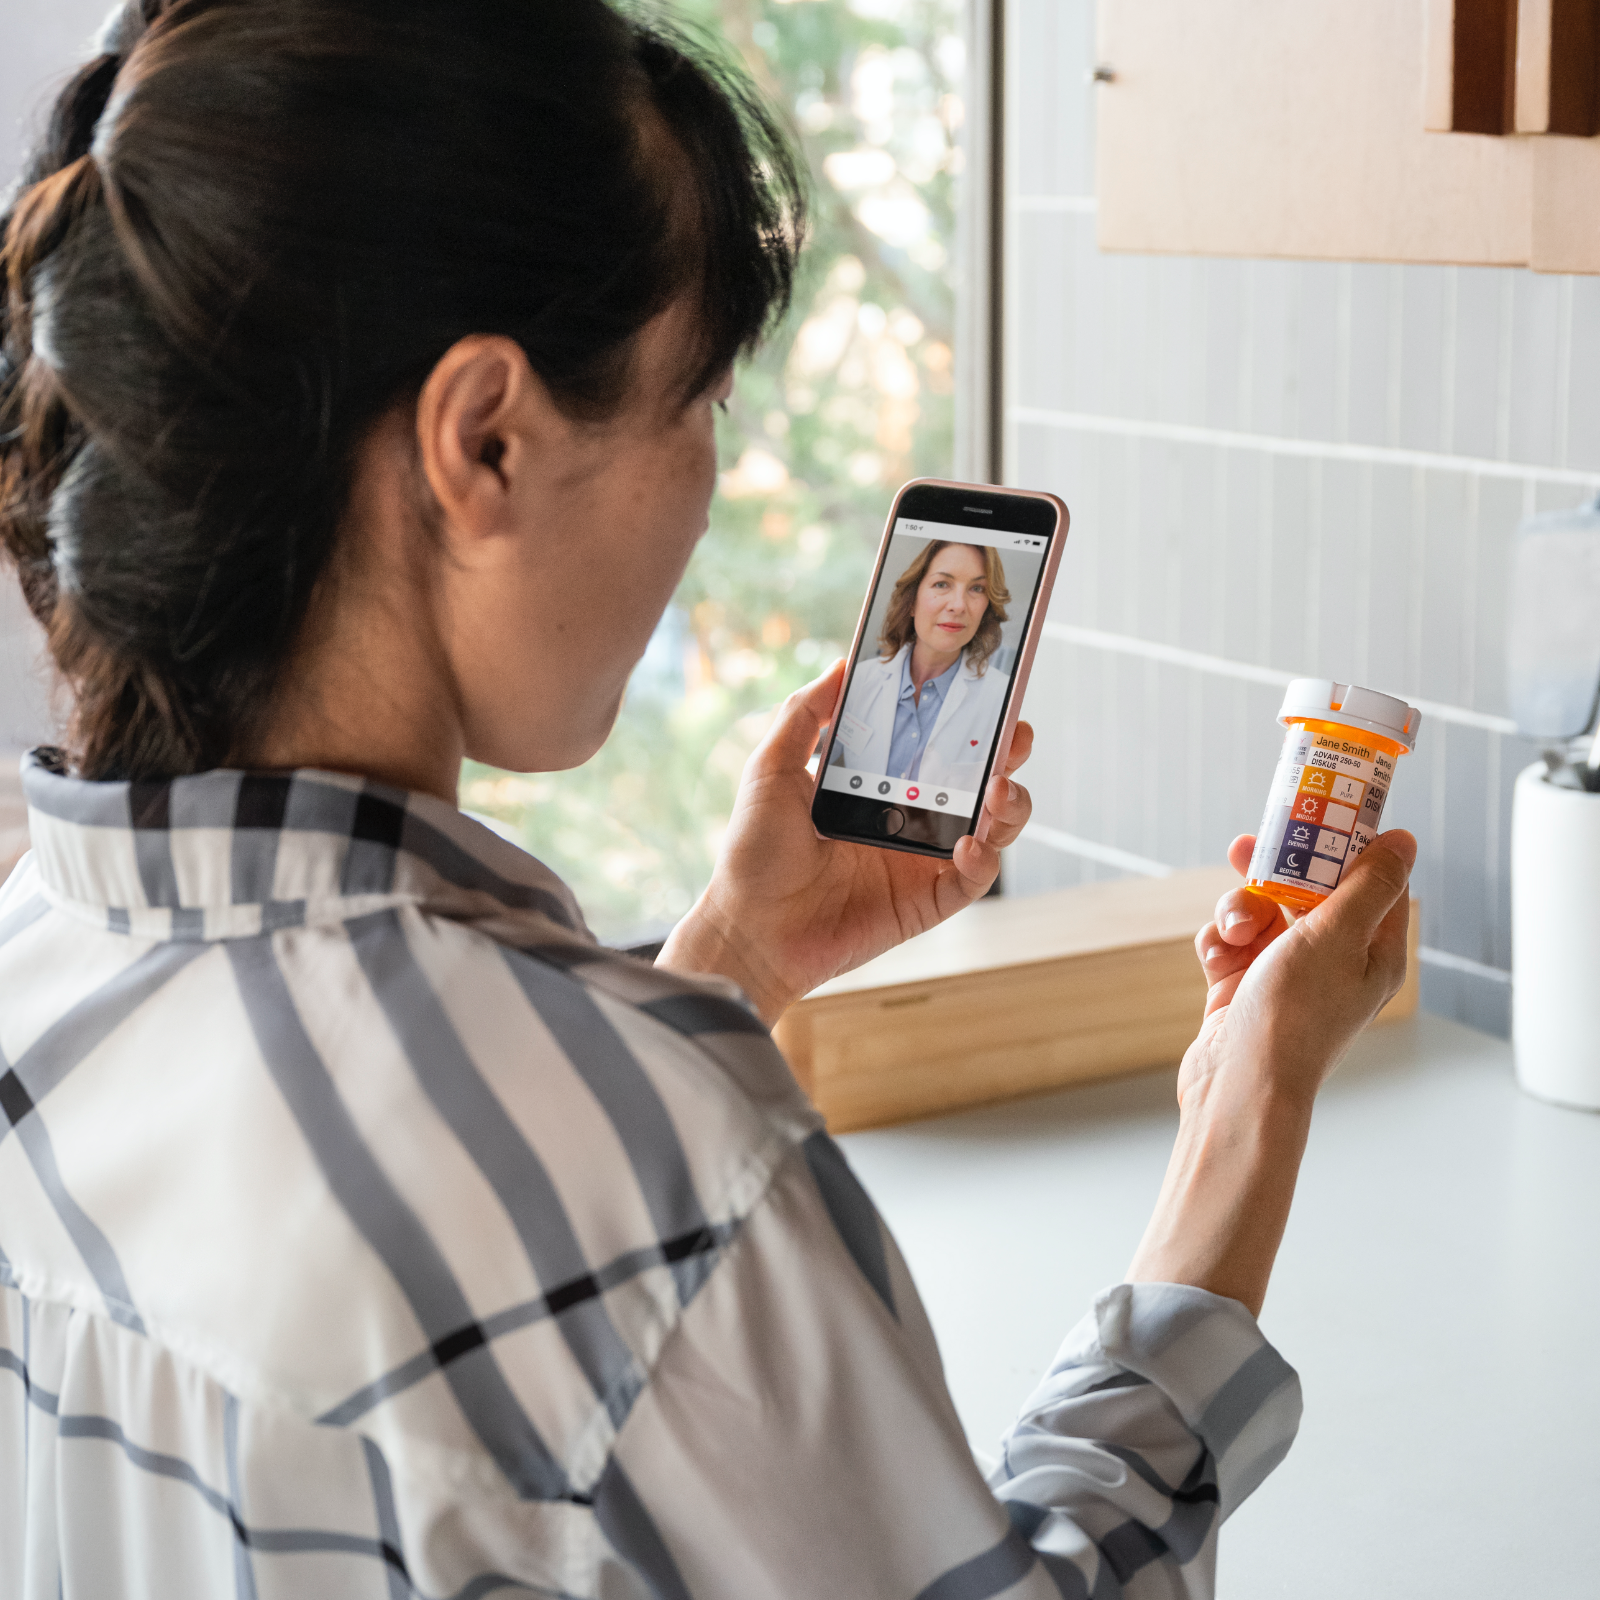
x=926 y=663
x=368 y=689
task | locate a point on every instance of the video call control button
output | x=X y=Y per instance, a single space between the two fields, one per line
x=941 y=799
x=912 y=793
x=883 y=788
x=855 y=782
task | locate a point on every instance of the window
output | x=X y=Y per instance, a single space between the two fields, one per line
x=854 y=394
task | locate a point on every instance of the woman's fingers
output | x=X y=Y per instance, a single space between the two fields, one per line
x=1219 y=995
x=1021 y=748
x=1245 y=925
x=977 y=864
x=1243 y=920
x=1009 y=806
x=793 y=735
x=1224 y=952
x=1217 y=958
x=1361 y=926
x=1225 y=965
x=1369 y=910
x=1372 y=888
x=1242 y=914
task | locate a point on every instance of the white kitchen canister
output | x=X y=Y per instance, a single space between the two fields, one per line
x=1555 y=940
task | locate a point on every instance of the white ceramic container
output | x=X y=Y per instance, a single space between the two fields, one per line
x=1555 y=940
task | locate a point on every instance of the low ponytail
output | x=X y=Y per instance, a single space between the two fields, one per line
x=38 y=438
x=43 y=443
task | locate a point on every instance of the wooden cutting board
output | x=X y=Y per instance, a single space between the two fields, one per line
x=1015 y=996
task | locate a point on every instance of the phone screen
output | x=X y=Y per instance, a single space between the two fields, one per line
x=911 y=749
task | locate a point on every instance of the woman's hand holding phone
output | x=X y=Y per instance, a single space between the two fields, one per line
x=1285 y=1001
x=787 y=909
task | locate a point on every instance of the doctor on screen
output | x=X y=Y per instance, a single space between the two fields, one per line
x=928 y=707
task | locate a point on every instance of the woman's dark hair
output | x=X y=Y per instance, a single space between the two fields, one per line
x=254 y=226
x=899 y=618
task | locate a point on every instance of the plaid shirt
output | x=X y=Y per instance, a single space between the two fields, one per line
x=367 y=1230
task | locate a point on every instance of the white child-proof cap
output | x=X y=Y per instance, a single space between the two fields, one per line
x=1359 y=708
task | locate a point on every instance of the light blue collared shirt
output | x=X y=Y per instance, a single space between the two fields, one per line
x=914 y=719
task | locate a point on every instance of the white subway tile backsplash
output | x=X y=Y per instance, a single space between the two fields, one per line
x=1532 y=388
x=1476 y=348
x=1329 y=642
x=1582 y=419
x=1444 y=552
x=1269 y=378
x=1500 y=507
x=1033 y=868
x=1287 y=552
x=1369 y=351
x=1424 y=334
x=1043 y=346
x=1225 y=329
x=1390 y=573
x=1383 y=613
x=1093 y=343
x=1467 y=999
x=1513 y=756
x=1318 y=413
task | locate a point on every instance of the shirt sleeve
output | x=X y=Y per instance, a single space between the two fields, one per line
x=797 y=1439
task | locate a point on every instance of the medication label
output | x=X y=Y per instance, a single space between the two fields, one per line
x=1323 y=811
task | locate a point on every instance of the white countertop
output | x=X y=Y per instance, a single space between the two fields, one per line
x=1438 y=1290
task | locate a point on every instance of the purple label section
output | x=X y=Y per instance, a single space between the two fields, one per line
x=1294 y=861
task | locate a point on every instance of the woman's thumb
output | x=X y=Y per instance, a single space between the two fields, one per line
x=793 y=734
x=1369 y=891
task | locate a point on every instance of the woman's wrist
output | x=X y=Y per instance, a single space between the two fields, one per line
x=704 y=944
x=1226 y=1197
x=1225 y=1078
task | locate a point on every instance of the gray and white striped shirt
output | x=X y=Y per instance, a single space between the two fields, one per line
x=367 y=1230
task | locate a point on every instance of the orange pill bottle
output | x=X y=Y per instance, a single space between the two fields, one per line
x=1332 y=779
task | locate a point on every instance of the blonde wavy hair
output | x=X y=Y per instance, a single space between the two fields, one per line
x=898 y=628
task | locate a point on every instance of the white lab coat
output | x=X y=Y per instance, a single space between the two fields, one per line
x=958 y=747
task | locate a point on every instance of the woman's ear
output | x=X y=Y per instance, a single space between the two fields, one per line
x=483 y=418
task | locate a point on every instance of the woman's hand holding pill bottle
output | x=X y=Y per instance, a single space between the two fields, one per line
x=1297 y=964
x=1285 y=1001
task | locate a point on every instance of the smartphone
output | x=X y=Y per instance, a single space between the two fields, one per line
x=939 y=662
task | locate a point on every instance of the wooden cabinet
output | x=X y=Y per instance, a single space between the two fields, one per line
x=1557 y=86
x=1380 y=130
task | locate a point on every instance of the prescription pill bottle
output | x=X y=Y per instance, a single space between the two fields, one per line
x=1333 y=777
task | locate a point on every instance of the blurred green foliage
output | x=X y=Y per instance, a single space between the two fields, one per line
x=852 y=395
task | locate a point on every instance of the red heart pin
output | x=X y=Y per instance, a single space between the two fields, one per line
x=974 y=741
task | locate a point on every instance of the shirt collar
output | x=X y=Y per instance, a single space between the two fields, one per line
x=230 y=854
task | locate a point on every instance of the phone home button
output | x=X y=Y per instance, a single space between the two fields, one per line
x=892 y=820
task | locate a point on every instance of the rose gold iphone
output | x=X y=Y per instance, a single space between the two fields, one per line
x=939 y=663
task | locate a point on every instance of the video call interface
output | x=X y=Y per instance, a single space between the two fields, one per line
x=929 y=684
